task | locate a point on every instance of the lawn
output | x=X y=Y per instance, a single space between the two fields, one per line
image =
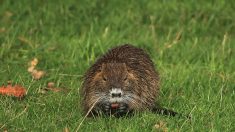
x=192 y=44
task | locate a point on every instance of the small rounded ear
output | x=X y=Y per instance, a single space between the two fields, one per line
x=103 y=67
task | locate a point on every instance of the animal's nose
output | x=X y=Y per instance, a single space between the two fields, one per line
x=116 y=94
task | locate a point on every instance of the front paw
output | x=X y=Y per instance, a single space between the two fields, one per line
x=116 y=109
x=122 y=110
x=106 y=108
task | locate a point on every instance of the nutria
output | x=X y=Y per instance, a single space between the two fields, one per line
x=121 y=81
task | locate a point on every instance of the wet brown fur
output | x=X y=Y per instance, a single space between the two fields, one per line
x=125 y=61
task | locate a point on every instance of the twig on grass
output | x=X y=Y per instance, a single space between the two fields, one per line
x=86 y=115
x=21 y=113
x=2 y=126
x=189 y=119
x=70 y=75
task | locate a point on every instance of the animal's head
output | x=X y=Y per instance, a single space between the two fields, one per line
x=115 y=83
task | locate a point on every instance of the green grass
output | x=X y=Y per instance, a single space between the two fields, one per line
x=197 y=71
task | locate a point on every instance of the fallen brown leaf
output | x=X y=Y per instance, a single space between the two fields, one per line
x=36 y=74
x=50 y=84
x=16 y=90
x=45 y=90
x=161 y=126
x=56 y=89
x=34 y=62
x=30 y=69
x=66 y=129
x=8 y=14
x=50 y=87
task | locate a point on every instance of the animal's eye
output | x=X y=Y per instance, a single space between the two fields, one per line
x=104 y=78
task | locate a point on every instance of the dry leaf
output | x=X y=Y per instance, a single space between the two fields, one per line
x=66 y=129
x=50 y=84
x=38 y=74
x=161 y=126
x=16 y=91
x=50 y=87
x=30 y=69
x=8 y=14
x=34 y=62
x=55 y=89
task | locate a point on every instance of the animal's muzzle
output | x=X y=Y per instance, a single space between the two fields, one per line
x=116 y=95
x=116 y=92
